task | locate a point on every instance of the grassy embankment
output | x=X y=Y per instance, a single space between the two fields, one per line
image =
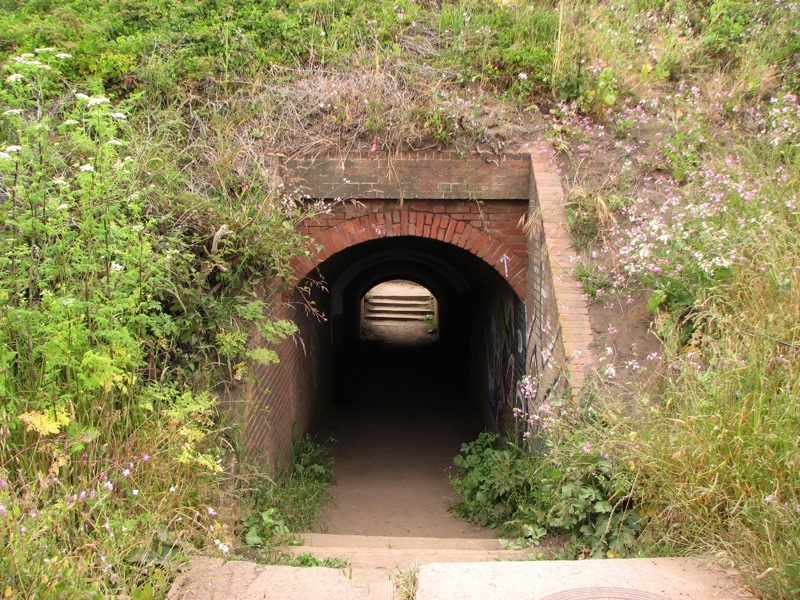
x=133 y=170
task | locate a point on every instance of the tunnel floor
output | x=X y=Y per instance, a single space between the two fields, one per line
x=397 y=424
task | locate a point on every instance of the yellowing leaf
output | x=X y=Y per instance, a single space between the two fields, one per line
x=45 y=422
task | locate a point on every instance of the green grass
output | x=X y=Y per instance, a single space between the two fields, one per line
x=596 y=284
x=131 y=247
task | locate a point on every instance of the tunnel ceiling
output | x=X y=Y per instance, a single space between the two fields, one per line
x=436 y=265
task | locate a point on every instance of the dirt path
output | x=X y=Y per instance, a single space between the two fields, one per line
x=397 y=431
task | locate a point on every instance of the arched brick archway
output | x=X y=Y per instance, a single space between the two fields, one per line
x=448 y=219
x=508 y=263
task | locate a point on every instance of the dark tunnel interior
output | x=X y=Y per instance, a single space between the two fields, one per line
x=399 y=412
x=469 y=369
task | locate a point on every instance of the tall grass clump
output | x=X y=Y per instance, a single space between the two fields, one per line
x=717 y=452
x=708 y=231
x=509 y=46
x=716 y=442
x=719 y=455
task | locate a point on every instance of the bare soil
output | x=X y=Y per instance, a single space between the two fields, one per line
x=628 y=353
x=396 y=431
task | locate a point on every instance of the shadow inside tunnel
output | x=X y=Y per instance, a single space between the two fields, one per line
x=397 y=426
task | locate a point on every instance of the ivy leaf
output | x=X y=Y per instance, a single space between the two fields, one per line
x=657 y=298
x=252 y=539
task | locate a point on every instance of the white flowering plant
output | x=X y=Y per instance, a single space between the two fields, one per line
x=109 y=440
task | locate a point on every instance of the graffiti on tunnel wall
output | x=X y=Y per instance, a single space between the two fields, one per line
x=504 y=354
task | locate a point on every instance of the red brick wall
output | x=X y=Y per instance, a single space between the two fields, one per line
x=491 y=230
x=284 y=399
x=409 y=175
x=559 y=331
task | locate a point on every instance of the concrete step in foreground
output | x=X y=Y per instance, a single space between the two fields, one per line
x=393 y=553
x=375 y=561
x=619 y=579
x=215 y=579
x=452 y=569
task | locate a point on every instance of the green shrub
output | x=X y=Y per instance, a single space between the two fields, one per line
x=289 y=502
x=559 y=481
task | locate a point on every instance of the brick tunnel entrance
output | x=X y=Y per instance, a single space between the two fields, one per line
x=477 y=233
x=480 y=318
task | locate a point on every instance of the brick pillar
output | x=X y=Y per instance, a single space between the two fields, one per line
x=558 y=256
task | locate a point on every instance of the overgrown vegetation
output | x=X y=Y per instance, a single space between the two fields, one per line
x=287 y=503
x=125 y=307
x=141 y=216
x=430 y=323
x=701 y=148
x=566 y=484
x=406 y=582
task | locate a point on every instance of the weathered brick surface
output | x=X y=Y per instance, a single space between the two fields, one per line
x=502 y=245
x=424 y=175
x=560 y=331
x=284 y=399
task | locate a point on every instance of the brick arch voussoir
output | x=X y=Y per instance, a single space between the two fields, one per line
x=414 y=223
